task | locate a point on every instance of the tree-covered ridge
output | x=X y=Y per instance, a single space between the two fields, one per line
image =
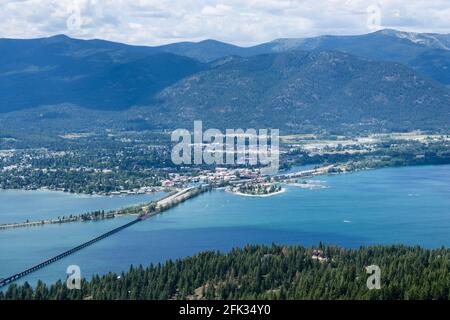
x=301 y=91
x=377 y=82
x=269 y=272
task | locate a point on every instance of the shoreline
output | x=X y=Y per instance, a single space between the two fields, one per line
x=117 y=212
x=307 y=185
x=257 y=195
x=124 y=193
x=112 y=214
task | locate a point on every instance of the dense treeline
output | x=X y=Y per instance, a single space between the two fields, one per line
x=79 y=181
x=274 y=272
x=386 y=154
x=89 y=216
x=259 y=188
x=93 y=164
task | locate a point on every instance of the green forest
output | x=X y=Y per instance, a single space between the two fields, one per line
x=268 y=272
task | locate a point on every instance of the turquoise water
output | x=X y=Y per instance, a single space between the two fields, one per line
x=18 y=205
x=387 y=206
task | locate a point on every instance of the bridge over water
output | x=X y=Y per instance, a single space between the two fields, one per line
x=160 y=203
x=41 y=265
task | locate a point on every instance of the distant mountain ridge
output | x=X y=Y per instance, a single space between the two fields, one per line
x=387 y=80
x=427 y=53
x=385 y=45
x=301 y=90
x=91 y=73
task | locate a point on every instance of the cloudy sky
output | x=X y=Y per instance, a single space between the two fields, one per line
x=243 y=22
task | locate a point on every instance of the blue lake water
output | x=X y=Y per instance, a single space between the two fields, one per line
x=386 y=206
x=18 y=205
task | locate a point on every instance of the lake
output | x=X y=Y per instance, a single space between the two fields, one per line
x=19 y=205
x=386 y=206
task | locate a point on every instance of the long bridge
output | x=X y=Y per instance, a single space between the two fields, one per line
x=171 y=197
x=41 y=265
x=160 y=203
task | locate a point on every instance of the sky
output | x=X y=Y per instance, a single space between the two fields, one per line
x=242 y=22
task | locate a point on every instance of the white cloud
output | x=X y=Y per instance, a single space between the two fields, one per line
x=154 y=22
x=217 y=10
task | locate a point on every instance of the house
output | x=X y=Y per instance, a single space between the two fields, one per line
x=167 y=183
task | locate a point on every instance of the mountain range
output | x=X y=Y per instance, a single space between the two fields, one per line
x=302 y=90
x=426 y=52
x=387 y=80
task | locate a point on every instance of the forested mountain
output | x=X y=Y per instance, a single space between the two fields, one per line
x=342 y=83
x=300 y=90
x=276 y=272
x=209 y=50
x=94 y=74
x=425 y=52
x=389 y=45
x=435 y=64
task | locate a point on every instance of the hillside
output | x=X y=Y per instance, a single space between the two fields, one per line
x=48 y=81
x=427 y=53
x=95 y=74
x=417 y=50
x=299 y=91
x=262 y=272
